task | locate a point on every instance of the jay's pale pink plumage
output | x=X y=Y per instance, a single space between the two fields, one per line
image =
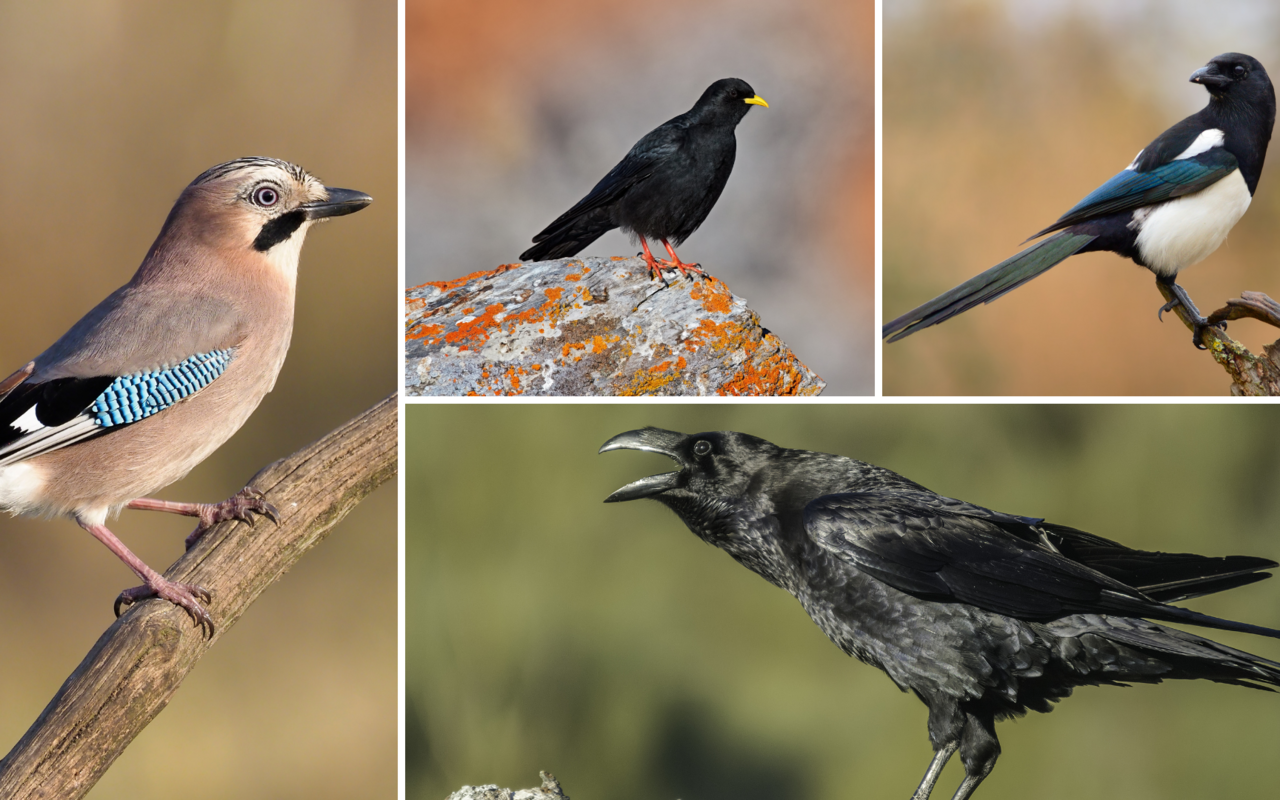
x=167 y=368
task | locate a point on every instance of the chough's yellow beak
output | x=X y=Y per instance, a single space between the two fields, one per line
x=756 y=101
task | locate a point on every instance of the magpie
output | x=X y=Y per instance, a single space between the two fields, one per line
x=983 y=615
x=1167 y=210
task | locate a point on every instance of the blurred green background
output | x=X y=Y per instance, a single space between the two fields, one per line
x=605 y=643
x=110 y=109
x=999 y=115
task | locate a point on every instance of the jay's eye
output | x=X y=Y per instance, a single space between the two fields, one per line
x=266 y=196
x=701 y=448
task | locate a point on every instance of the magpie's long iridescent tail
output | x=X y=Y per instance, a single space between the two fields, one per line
x=1003 y=277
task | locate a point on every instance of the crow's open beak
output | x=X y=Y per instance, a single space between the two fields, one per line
x=649 y=440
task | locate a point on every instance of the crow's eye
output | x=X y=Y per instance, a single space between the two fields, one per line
x=701 y=447
x=1239 y=70
x=266 y=196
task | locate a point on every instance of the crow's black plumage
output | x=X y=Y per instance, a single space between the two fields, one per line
x=1169 y=209
x=983 y=615
x=665 y=187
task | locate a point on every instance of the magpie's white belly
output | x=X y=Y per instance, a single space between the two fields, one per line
x=1185 y=231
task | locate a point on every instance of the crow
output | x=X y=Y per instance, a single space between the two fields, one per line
x=983 y=615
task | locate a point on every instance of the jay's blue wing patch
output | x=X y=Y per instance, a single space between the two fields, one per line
x=36 y=418
x=1132 y=189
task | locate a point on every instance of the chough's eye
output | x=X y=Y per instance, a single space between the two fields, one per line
x=266 y=196
x=701 y=447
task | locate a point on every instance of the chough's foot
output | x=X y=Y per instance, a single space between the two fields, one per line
x=684 y=268
x=186 y=596
x=240 y=506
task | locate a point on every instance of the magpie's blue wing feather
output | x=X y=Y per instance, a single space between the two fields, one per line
x=1132 y=189
x=37 y=417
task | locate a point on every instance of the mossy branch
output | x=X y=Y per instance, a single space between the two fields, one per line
x=1251 y=375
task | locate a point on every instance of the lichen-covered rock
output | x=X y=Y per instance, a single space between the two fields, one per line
x=596 y=326
x=550 y=790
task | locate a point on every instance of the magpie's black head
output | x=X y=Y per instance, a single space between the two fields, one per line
x=720 y=464
x=728 y=99
x=1234 y=75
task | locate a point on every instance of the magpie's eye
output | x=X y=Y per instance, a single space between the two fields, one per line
x=266 y=196
x=701 y=447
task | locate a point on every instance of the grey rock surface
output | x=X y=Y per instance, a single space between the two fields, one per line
x=597 y=327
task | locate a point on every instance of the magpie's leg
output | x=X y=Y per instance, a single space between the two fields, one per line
x=1181 y=298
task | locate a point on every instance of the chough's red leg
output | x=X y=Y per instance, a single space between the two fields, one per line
x=655 y=266
x=675 y=262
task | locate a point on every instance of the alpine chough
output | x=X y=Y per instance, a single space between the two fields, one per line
x=665 y=187
x=983 y=615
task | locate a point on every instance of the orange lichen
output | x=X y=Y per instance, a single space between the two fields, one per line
x=715 y=296
x=423 y=331
x=473 y=332
x=779 y=373
x=446 y=286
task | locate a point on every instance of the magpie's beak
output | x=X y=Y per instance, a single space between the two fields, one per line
x=649 y=440
x=340 y=203
x=1209 y=76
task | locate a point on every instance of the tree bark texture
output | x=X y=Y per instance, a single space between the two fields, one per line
x=595 y=326
x=141 y=660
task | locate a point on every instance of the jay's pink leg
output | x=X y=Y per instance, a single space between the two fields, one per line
x=242 y=506
x=184 y=595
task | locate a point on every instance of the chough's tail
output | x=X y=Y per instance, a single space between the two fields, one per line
x=569 y=235
x=1003 y=277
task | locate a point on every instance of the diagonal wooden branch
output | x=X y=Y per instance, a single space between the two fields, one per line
x=1251 y=375
x=141 y=660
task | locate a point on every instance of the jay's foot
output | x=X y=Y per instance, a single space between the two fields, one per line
x=184 y=595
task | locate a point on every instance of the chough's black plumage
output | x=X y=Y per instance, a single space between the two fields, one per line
x=981 y=614
x=665 y=187
x=1170 y=208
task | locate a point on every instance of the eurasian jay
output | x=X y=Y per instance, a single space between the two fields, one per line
x=156 y=377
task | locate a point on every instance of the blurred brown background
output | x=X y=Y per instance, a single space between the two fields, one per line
x=1001 y=115
x=515 y=109
x=546 y=630
x=110 y=109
